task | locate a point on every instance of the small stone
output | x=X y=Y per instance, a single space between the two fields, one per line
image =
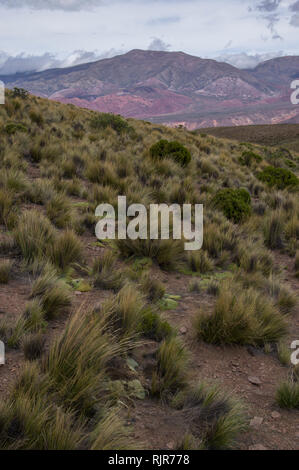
x=170 y=445
x=78 y=292
x=183 y=330
x=255 y=381
x=258 y=447
x=256 y=422
x=275 y=415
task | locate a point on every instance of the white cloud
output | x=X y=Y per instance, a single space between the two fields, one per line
x=248 y=61
x=67 y=5
x=158 y=45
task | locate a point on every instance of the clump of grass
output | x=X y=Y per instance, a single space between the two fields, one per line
x=273 y=231
x=172 y=368
x=287 y=395
x=5 y=271
x=33 y=235
x=154 y=327
x=241 y=317
x=168 y=254
x=59 y=211
x=77 y=362
x=34 y=317
x=110 y=434
x=254 y=258
x=284 y=354
x=215 y=419
x=105 y=273
x=33 y=346
x=296 y=264
x=199 y=262
x=125 y=311
x=152 y=288
x=66 y=250
x=6 y=202
x=53 y=294
x=194 y=286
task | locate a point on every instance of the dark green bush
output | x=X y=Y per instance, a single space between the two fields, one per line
x=153 y=327
x=279 y=177
x=13 y=127
x=234 y=203
x=104 y=120
x=174 y=150
x=248 y=158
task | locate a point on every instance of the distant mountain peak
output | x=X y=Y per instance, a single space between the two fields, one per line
x=173 y=88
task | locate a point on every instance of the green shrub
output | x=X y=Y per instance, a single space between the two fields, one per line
x=104 y=120
x=13 y=127
x=153 y=327
x=174 y=150
x=234 y=203
x=152 y=288
x=278 y=177
x=248 y=157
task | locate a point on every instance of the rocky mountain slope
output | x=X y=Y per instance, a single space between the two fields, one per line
x=173 y=88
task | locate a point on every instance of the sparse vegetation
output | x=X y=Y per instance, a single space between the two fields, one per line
x=85 y=368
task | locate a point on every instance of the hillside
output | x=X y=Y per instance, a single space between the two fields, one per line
x=134 y=344
x=279 y=135
x=173 y=88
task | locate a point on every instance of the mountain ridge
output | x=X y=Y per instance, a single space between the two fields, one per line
x=172 y=85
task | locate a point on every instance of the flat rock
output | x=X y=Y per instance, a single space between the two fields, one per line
x=275 y=415
x=183 y=330
x=254 y=380
x=258 y=447
x=256 y=422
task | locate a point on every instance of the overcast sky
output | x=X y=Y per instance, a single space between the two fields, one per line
x=40 y=34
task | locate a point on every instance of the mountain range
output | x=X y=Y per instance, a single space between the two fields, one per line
x=173 y=88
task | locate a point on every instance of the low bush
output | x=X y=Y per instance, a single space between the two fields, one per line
x=153 y=327
x=248 y=158
x=234 y=203
x=104 y=120
x=175 y=150
x=278 y=177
